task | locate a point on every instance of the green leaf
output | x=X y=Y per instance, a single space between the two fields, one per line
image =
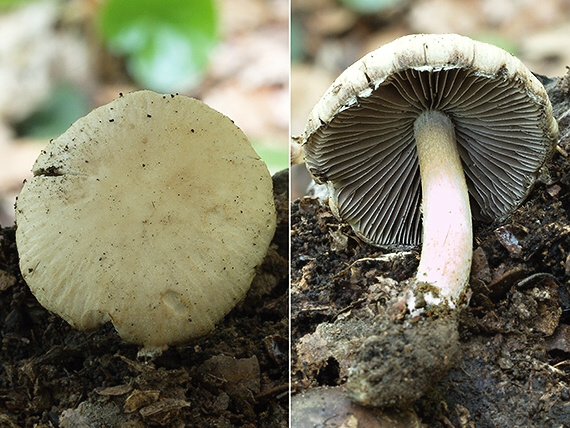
x=167 y=42
x=10 y=4
x=275 y=156
x=64 y=106
x=369 y=6
x=497 y=39
x=297 y=40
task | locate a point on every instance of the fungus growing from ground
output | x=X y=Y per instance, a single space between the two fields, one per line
x=152 y=212
x=438 y=126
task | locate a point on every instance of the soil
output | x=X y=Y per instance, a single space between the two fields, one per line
x=513 y=364
x=54 y=376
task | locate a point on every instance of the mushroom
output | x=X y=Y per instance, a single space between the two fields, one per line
x=152 y=212
x=438 y=125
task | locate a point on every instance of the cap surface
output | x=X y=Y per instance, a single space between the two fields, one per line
x=151 y=212
x=359 y=138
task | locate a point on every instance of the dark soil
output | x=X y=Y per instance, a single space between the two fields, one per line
x=54 y=376
x=513 y=368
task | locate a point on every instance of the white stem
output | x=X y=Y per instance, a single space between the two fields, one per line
x=447 y=231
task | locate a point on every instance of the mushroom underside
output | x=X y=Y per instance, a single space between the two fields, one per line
x=367 y=151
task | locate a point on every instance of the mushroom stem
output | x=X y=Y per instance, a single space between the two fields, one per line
x=447 y=231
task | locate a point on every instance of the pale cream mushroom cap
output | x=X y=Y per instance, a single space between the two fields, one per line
x=152 y=212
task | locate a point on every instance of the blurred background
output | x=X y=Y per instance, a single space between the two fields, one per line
x=59 y=59
x=329 y=35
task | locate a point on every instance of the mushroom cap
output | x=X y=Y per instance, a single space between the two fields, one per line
x=151 y=212
x=359 y=138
